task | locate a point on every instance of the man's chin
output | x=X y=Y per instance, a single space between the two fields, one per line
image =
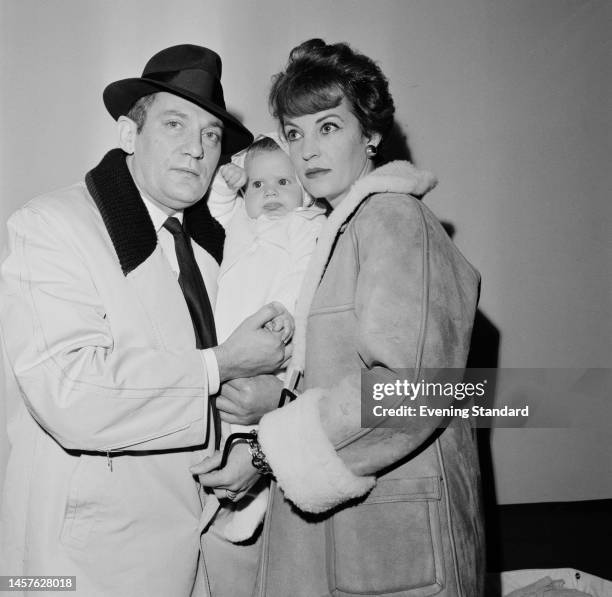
x=189 y=196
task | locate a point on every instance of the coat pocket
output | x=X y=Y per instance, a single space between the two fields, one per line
x=84 y=500
x=389 y=544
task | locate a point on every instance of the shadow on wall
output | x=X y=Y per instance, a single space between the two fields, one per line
x=395 y=146
x=484 y=353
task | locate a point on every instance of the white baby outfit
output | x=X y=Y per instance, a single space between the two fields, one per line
x=264 y=260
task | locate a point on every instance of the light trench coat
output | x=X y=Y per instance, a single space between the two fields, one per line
x=108 y=397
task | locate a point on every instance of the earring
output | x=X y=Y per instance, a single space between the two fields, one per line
x=371 y=150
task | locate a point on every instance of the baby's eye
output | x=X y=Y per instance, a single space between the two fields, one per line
x=292 y=135
x=256 y=184
x=329 y=127
x=284 y=181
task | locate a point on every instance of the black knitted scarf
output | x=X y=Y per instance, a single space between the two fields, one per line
x=128 y=222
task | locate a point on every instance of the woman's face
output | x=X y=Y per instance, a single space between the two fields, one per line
x=328 y=151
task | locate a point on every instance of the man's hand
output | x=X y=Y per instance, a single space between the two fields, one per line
x=245 y=401
x=235 y=177
x=252 y=348
x=233 y=481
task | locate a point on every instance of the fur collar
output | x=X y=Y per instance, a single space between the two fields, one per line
x=127 y=220
x=394 y=177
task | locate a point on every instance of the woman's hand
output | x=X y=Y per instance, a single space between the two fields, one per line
x=233 y=481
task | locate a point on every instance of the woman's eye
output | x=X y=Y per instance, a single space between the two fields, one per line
x=328 y=127
x=292 y=135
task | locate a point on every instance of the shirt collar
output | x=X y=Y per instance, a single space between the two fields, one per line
x=127 y=220
x=158 y=217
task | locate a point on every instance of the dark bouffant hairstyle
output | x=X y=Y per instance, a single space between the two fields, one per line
x=319 y=75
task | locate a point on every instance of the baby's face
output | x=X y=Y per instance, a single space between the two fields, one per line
x=272 y=186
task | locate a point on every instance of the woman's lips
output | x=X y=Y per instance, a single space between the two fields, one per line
x=316 y=172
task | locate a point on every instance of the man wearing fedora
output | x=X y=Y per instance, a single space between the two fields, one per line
x=107 y=330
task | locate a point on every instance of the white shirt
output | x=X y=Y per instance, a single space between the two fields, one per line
x=209 y=271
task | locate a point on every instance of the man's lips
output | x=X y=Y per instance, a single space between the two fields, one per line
x=315 y=172
x=187 y=171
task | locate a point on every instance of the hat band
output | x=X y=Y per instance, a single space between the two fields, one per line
x=192 y=81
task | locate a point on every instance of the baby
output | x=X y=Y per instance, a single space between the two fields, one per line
x=271 y=226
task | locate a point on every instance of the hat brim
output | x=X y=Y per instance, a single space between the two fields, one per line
x=120 y=96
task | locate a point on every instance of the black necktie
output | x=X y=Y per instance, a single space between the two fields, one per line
x=192 y=284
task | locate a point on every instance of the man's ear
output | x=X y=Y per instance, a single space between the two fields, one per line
x=127 y=130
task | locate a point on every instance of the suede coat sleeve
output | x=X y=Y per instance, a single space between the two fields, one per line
x=412 y=297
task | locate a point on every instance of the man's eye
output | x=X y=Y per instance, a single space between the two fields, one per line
x=212 y=137
x=173 y=124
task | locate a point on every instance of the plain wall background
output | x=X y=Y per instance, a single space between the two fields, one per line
x=508 y=101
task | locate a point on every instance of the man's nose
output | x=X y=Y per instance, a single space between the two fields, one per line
x=194 y=146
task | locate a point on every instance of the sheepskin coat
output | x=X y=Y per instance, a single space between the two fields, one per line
x=375 y=511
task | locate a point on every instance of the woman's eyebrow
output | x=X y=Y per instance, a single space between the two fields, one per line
x=324 y=117
x=317 y=121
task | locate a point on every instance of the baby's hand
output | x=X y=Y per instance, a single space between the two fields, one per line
x=234 y=176
x=282 y=323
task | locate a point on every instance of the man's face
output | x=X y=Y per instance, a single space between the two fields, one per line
x=176 y=152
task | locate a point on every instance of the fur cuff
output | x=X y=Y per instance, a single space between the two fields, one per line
x=304 y=461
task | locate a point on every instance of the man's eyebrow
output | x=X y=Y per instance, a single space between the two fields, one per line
x=180 y=114
x=174 y=113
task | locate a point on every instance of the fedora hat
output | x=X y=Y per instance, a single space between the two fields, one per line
x=191 y=72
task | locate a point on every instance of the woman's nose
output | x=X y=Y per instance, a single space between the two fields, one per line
x=310 y=148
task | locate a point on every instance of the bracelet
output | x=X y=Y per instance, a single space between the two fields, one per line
x=258 y=458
